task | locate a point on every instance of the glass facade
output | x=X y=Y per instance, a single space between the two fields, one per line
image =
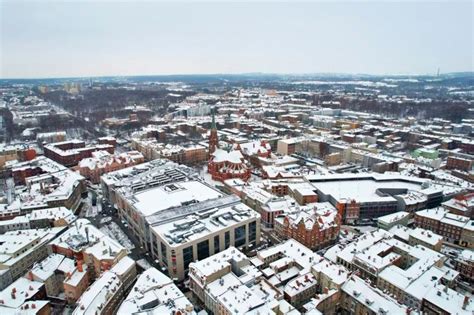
x=252 y=231
x=216 y=244
x=187 y=256
x=164 y=254
x=203 y=249
x=239 y=236
x=227 y=240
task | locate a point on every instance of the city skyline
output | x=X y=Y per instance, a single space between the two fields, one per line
x=84 y=38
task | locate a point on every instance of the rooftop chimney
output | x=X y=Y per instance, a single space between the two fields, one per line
x=465 y=302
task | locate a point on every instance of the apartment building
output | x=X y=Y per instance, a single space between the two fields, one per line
x=84 y=240
x=70 y=153
x=454 y=228
x=315 y=225
x=147 y=296
x=102 y=162
x=105 y=295
x=20 y=250
x=42 y=183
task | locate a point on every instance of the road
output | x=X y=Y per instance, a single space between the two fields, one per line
x=104 y=216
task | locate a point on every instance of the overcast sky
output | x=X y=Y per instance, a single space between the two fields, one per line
x=86 y=38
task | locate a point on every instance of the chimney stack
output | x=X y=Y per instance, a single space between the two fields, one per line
x=465 y=302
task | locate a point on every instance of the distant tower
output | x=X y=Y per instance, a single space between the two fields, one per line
x=213 y=139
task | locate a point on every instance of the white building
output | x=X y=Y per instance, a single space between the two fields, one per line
x=155 y=293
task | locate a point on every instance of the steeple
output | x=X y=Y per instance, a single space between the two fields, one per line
x=213 y=123
x=213 y=139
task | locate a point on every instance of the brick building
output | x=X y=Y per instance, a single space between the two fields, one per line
x=103 y=162
x=69 y=153
x=454 y=228
x=315 y=226
x=458 y=163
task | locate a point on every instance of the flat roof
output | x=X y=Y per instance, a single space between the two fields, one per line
x=173 y=195
x=196 y=226
x=363 y=189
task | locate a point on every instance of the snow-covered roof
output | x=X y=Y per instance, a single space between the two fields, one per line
x=83 y=235
x=196 y=225
x=16 y=293
x=393 y=217
x=98 y=294
x=46 y=268
x=372 y=298
x=364 y=188
x=155 y=293
x=233 y=156
x=56 y=183
x=173 y=195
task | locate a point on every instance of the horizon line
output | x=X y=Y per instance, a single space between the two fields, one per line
x=238 y=74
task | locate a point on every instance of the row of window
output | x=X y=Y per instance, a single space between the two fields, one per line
x=203 y=247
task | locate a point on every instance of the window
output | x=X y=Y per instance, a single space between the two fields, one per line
x=239 y=236
x=203 y=249
x=216 y=244
x=164 y=254
x=252 y=231
x=227 y=240
x=187 y=256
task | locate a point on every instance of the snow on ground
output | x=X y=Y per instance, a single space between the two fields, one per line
x=208 y=178
x=105 y=220
x=115 y=232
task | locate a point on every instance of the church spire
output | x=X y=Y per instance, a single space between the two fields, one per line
x=213 y=139
x=213 y=123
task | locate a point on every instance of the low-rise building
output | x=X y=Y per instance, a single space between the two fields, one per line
x=86 y=242
x=418 y=236
x=189 y=154
x=315 y=225
x=102 y=162
x=363 y=197
x=24 y=296
x=358 y=297
x=52 y=271
x=446 y=301
x=107 y=292
x=69 y=153
x=390 y=264
x=157 y=294
x=464 y=264
x=454 y=228
x=44 y=218
x=42 y=183
x=388 y=221
x=461 y=205
x=459 y=163
x=20 y=250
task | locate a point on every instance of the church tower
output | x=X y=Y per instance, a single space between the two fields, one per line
x=213 y=139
